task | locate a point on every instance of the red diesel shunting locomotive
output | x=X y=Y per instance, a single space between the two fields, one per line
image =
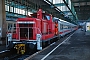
x=32 y=31
x=36 y=31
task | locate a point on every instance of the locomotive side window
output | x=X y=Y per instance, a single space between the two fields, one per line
x=46 y=17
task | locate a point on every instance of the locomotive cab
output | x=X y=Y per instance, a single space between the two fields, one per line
x=25 y=29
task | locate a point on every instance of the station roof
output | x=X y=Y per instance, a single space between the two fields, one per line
x=46 y=5
x=82 y=8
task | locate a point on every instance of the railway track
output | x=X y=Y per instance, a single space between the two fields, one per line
x=11 y=55
x=7 y=54
x=19 y=57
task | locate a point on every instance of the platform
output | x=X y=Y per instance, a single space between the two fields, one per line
x=2 y=44
x=76 y=47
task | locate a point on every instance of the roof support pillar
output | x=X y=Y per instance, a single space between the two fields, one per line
x=3 y=26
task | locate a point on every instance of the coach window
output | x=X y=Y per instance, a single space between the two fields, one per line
x=9 y=26
x=68 y=26
x=65 y=26
x=14 y=26
x=61 y=26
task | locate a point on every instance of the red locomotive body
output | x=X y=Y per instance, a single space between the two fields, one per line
x=39 y=23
